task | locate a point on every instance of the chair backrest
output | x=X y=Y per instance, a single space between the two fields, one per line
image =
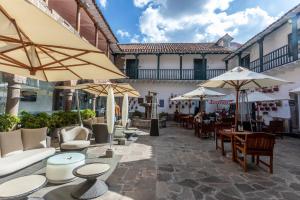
x=260 y=141
x=75 y=133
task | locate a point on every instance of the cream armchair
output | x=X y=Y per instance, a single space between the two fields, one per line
x=74 y=138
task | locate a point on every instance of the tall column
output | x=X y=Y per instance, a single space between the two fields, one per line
x=180 y=65
x=158 y=65
x=107 y=49
x=78 y=17
x=13 y=93
x=261 y=54
x=68 y=95
x=295 y=38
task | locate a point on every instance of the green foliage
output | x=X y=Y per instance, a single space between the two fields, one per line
x=87 y=113
x=56 y=120
x=8 y=122
x=39 y=120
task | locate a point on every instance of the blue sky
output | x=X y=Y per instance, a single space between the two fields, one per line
x=190 y=20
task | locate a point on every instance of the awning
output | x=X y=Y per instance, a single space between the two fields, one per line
x=39 y=44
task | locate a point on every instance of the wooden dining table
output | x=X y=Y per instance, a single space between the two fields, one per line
x=228 y=135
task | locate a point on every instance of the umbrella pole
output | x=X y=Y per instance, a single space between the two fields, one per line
x=78 y=109
x=236 y=109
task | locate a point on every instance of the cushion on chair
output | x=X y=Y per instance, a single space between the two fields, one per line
x=76 y=144
x=76 y=133
x=34 y=138
x=11 y=143
x=19 y=161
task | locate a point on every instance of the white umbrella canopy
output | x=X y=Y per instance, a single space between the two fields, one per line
x=253 y=97
x=102 y=88
x=203 y=92
x=34 y=44
x=183 y=98
x=241 y=78
x=296 y=90
x=125 y=110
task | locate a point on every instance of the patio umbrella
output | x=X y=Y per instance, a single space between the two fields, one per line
x=183 y=98
x=203 y=93
x=110 y=113
x=239 y=79
x=125 y=110
x=37 y=43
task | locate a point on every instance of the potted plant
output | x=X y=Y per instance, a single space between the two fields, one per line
x=265 y=113
x=8 y=122
x=267 y=108
x=274 y=108
x=278 y=103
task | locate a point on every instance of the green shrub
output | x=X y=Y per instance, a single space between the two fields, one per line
x=163 y=114
x=8 y=122
x=87 y=113
x=39 y=120
x=61 y=119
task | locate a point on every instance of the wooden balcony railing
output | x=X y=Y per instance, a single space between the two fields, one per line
x=276 y=58
x=172 y=74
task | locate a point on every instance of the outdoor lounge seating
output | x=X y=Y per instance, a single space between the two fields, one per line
x=88 y=123
x=256 y=145
x=22 y=148
x=74 y=138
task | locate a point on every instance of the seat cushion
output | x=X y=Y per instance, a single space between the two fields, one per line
x=11 y=143
x=34 y=138
x=19 y=161
x=75 y=144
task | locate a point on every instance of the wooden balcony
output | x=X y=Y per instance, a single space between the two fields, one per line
x=172 y=74
x=276 y=58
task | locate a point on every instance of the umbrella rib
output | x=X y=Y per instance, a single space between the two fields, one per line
x=256 y=83
x=12 y=60
x=13 y=49
x=62 y=65
x=70 y=48
x=99 y=66
x=64 y=59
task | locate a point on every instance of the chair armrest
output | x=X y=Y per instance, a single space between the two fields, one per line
x=236 y=137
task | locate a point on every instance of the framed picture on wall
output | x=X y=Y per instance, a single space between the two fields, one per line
x=140 y=100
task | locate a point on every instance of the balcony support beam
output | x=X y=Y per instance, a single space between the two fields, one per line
x=158 y=65
x=295 y=38
x=96 y=36
x=261 y=54
x=180 y=66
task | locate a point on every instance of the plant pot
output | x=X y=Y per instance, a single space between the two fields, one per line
x=278 y=103
x=271 y=104
x=265 y=113
x=267 y=108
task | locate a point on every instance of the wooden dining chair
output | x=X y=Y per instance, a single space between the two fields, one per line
x=256 y=145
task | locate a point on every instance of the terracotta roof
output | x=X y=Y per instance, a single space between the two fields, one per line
x=170 y=48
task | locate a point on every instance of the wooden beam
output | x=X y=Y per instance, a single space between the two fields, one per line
x=78 y=17
x=96 y=36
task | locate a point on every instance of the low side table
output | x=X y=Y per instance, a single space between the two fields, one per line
x=92 y=187
x=20 y=188
x=60 y=167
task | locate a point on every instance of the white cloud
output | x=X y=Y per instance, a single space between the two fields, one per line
x=135 y=39
x=141 y=3
x=123 y=34
x=197 y=20
x=103 y=3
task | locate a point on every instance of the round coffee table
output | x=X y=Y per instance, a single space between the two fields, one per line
x=20 y=188
x=92 y=187
x=59 y=167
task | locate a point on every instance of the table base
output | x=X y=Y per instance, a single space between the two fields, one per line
x=90 y=189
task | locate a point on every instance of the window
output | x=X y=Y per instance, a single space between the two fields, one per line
x=290 y=45
x=246 y=61
x=161 y=103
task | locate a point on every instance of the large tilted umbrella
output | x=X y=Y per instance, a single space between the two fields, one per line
x=202 y=93
x=36 y=43
x=183 y=98
x=110 y=113
x=125 y=110
x=239 y=79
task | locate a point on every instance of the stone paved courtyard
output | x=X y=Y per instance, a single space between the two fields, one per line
x=177 y=165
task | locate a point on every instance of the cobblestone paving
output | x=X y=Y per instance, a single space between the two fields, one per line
x=177 y=165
